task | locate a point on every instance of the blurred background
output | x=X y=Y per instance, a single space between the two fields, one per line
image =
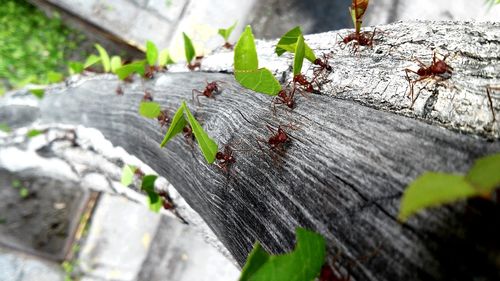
x=39 y=219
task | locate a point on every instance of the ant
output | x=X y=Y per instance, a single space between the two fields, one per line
x=277 y=140
x=151 y=69
x=196 y=64
x=188 y=134
x=163 y=118
x=147 y=96
x=360 y=39
x=436 y=69
x=119 y=90
x=208 y=92
x=322 y=65
x=168 y=204
x=225 y=158
x=301 y=79
x=284 y=98
x=228 y=45
x=489 y=90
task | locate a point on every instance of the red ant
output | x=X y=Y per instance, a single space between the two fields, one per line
x=196 y=64
x=208 y=92
x=489 y=89
x=147 y=96
x=301 y=79
x=119 y=91
x=188 y=134
x=436 y=69
x=163 y=118
x=277 y=141
x=284 y=98
x=360 y=39
x=228 y=45
x=168 y=204
x=328 y=274
x=225 y=159
x=322 y=65
x=151 y=69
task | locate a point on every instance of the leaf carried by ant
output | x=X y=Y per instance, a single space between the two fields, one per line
x=303 y=263
x=54 y=77
x=75 y=67
x=357 y=10
x=154 y=200
x=148 y=183
x=188 y=48
x=485 y=173
x=225 y=33
x=128 y=175
x=164 y=58
x=434 y=189
x=126 y=70
x=116 y=62
x=151 y=53
x=246 y=67
x=149 y=109
x=207 y=145
x=299 y=56
x=91 y=60
x=177 y=125
x=33 y=133
x=106 y=64
x=38 y=92
x=288 y=42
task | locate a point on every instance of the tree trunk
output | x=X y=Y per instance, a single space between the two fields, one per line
x=354 y=148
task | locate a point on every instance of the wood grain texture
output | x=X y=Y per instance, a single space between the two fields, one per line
x=342 y=175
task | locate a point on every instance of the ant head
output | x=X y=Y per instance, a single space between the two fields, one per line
x=328 y=67
x=422 y=71
x=186 y=129
x=318 y=61
x=290 y=103
x=282 y=94
x=219 y=155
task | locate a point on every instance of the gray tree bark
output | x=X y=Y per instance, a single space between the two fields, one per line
x=356 y=146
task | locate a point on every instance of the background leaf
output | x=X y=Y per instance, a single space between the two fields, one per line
x=151 y=53
x=126 y=70
x=91 y=60
x=149 y=109
x=207 y=145
x=75 y=67
x=54 y=77
x=225 y=33
x=188 y=48
x=106 y=64
x=178 y=123
x=164 y=58
x=5 y=128
x=433 y=189
x=303 y=263
x=485 y=174
x=38 y=92
x=128 y=175
x=299 y=56
x=288 y=41
x=33 y=133
x=116 y=62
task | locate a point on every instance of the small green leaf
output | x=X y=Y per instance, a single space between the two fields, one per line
x=188 y=48
x=288 y=41
x=149 y=109
x=54 y=77
x=154 y=202
x=433 y=189
x=225 y=33
x=302 y=264
x=38 y=92
x=16 y=183
x=75 y=67
x=246 y=66
x=106 y=64
x=91 y=60
x=116 y=62
x=299 y=56
x=207 y=145
x=33 y=133
x=128 y=175
x=485 y=174
x=148 y=183
x=151 y=53
x=126 y=70
x=177 y=125
x=164 y=58
x=5 y=128
x=24 y=192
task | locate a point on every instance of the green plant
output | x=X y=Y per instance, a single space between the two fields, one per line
x=225 y=33
x=207 y=145
x=435 y=189
x=246 y=67
x=302 y=264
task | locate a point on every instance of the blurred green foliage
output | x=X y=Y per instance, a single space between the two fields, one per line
x=33 y=45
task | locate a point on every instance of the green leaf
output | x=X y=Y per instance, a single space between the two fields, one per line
x=54 y=77
x=75 y=67
x=225 y=33
x=164 y=58
x=299 y=56
x=302 y=264
x=24 y=192
x=177 y=125
x=33 y=133
x=126 y=70
x=16 y=183
x=188 y=48
x=128 y=175
x=288 y=41
x=149 y=109
x=207 y=145
x=91 y=60
x=154 y=202
x=5 y=128
x=148 y=183
x=38 y=92
x=106 y=64
x=246 y=66
x=116 y=62
x=485 y=174
x=433 y=189
x=151 y=53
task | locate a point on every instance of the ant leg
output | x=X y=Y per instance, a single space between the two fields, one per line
x=273 y=131
x=198 y=93
x=488 y=89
